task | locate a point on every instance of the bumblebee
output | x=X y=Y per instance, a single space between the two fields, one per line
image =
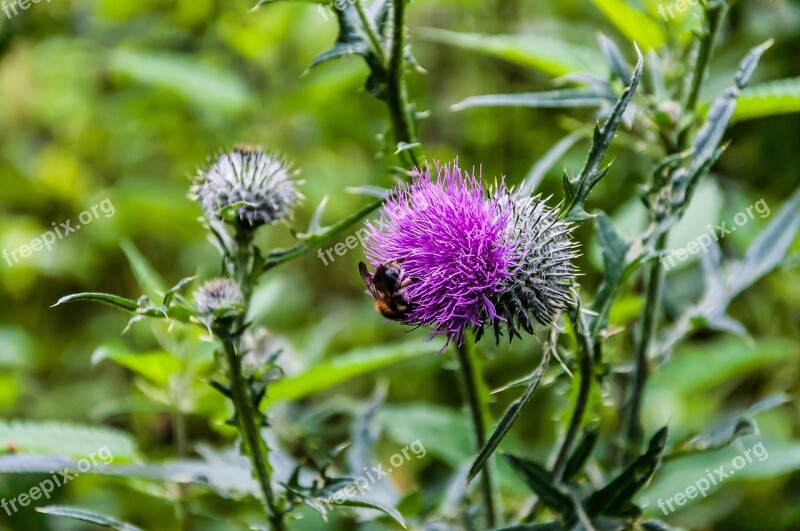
x=387 y=285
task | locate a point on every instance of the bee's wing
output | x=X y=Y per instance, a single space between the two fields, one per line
x=366 y=276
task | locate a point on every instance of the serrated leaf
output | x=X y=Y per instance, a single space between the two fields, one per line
x=616 y=496
x=635 y=25
x=578 y=189
x=552 y=99
x=83 y=515
x=550 y=55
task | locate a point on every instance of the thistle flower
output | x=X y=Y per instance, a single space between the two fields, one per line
x=219 y=298
x=449 y=237
x=248 y=187
x=473 y=259
x=542 y=272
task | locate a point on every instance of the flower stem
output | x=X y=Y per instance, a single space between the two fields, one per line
x=396 y=92
x=241 y=267
x=252 y=442
x=633 y=424
x=586 y=358
x=470 y=382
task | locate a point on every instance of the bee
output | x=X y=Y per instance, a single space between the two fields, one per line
x=388 y=286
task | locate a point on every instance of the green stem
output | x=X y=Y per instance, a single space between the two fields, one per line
x=396 y=92
x=241 y=268
x=586 y=370
x=715 y=14
x=253 y=443
x=633 y=425
x=470 y=382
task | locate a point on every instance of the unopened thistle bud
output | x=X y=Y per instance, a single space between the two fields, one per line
x=247 y=187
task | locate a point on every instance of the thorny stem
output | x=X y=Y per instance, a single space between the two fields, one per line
x=252 y=442
x=576 y=421
x=396 y=92
x=715 y=14
x=241 y=266
x=470 y=381
x=585 y=365
x=634 y=430
x=402 y=125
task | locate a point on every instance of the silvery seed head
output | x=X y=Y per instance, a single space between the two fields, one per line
x=542 y=274
x=218 y=297
x=247 y=187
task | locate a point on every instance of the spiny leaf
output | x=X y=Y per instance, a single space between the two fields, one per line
x=509 y=418
x=540 y=482
x=581 y=454
x=577 y=190
x=616 y=497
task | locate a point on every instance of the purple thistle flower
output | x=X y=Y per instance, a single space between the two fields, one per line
x=449 y=237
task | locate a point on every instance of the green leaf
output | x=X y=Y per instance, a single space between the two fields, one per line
x=768 y=99
x=697 y=368
x=552 y=99
x=548 y=160
x=615 y=498
x=577 y=190
x=509 y=418
x=389 y=511
x=550 y=55
x=149 y=281
x=344 y=367
x=447 y=433
x=634 y=24
x=540 y=482
x=158 y=367
x=113 y=300
x=706 y=146
x=87 y=516
x=199 y=84
x=64 y=440
x=581 y=454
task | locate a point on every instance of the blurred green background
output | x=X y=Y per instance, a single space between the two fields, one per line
x=125 y=100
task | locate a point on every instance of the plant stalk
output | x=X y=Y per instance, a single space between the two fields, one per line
x=396 y=92
x=253 y=444
x=633 y=425
x=470 y=382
